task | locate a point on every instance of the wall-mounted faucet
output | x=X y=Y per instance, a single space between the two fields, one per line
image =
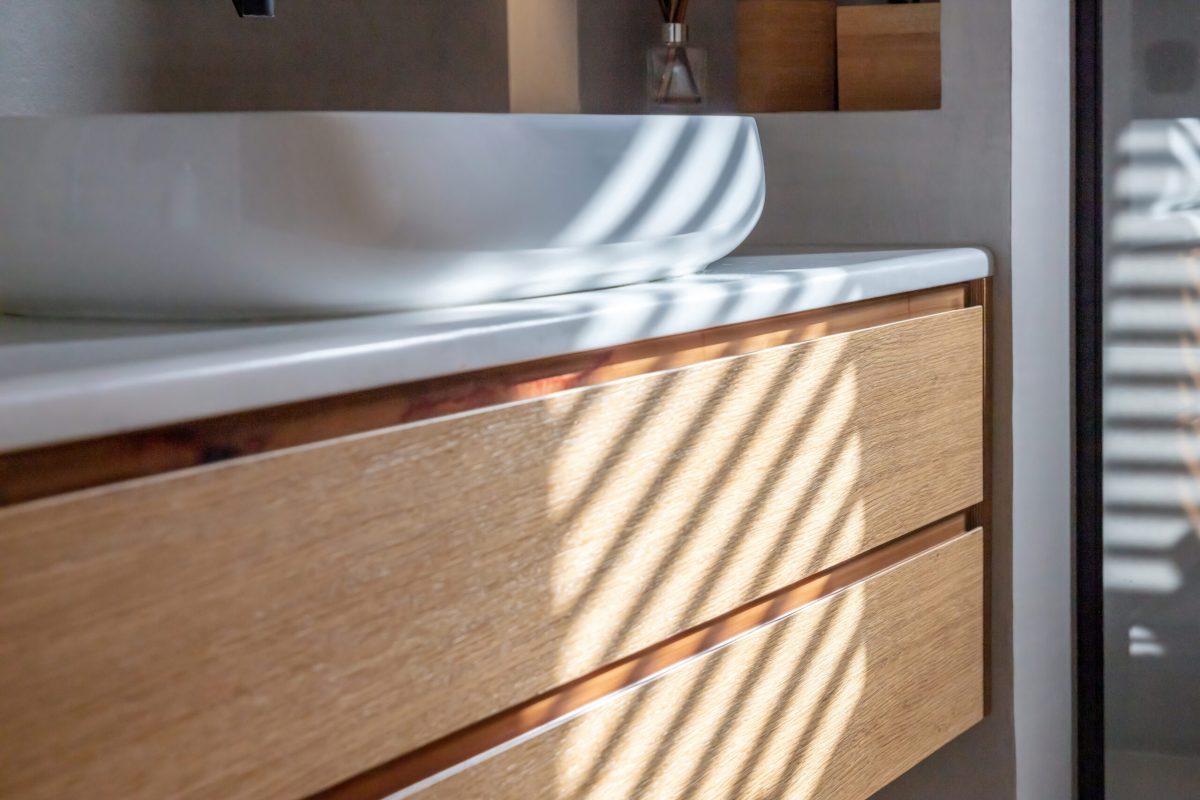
x=255 y=8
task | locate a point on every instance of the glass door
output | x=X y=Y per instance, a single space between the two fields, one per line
x=1138 y=311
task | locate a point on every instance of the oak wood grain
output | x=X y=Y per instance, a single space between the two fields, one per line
x=506 y=726
x=274 y=625
x=830 y=703
x=889 y=57
x=44 y=472
x=786 y=55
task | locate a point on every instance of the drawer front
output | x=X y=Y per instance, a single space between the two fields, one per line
x=287 y=621
x=834 y=701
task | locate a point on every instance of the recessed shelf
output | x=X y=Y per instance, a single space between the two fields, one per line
x=571 y=55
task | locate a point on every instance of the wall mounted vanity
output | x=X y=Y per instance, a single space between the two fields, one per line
x=719 y=536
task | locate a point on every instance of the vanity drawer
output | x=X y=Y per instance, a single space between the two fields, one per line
x=273 y=625
x=834 y=701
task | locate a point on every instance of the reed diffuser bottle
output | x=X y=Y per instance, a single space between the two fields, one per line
x=675 y=71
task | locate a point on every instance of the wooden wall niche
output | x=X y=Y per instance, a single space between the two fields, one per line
x=764 y=56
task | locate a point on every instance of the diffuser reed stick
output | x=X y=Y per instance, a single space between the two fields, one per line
x=673 y=10
x=674 y=14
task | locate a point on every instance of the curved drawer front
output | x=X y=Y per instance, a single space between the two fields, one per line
x=289 y=620
x=834 y=701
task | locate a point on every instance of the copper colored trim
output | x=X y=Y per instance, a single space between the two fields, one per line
x=57 y=469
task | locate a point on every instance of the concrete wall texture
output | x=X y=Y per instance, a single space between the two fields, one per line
x=67 y=56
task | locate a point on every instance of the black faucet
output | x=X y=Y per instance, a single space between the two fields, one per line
x=255 y=8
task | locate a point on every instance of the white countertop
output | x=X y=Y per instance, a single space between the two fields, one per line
x=71 y=379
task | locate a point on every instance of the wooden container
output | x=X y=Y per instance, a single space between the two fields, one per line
x=889 y=57
x=787 y=59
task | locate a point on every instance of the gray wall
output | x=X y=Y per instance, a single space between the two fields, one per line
x=79 y=56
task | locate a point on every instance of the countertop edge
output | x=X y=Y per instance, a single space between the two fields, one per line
x=46 y=409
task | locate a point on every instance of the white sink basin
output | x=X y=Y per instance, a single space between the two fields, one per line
x=196 y=216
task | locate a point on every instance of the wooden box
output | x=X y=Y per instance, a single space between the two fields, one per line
x=889 y=57
x=785 y=55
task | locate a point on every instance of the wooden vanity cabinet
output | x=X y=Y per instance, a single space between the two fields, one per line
x=744 y=562
x=832 y=701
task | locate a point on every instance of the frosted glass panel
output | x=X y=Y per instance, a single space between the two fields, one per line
x=1152 y=399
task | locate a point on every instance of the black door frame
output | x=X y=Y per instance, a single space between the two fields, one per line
x=1088 y=303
